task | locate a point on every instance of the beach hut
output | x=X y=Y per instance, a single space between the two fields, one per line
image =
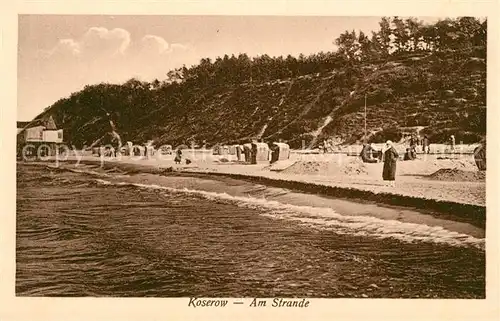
x=127 y=149
x=107 y=151
x=260 y=153
x=221 y=150
x=239 y=152
x=247 y=151
x=149 y=151
x=280 y=151
x=138 y=151
x=232 y=149
x=165 y=150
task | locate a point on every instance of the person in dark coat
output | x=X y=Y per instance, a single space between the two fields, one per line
x=178 y=156
x=480 y=156
x=367 y=154
x=390 y=158
x=407 y=155
x=413 y=152
x=412 y=140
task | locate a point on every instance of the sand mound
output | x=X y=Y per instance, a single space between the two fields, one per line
x=307 y=167
x=349 y=167
x=354 y=167
x=454 y=174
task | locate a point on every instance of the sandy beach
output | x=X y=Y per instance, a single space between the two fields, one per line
x=446 y=183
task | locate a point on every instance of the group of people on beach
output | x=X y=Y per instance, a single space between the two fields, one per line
x=416 y=140
x=370 y=154
x=390 y=156
x=178 y=157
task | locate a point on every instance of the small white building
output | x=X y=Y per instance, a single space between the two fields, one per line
x=39 y=132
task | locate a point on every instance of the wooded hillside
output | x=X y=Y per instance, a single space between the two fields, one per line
x=428 y=77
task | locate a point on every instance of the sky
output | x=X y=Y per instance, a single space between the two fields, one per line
x=60 y=54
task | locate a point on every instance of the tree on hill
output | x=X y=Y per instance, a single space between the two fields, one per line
x=140 y=110
x=414 y=28
x=401 y=36
x=348 y=45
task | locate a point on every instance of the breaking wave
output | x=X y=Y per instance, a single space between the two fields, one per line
x=328 y=219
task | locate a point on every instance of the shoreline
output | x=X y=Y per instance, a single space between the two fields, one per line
x=470 y=213
x=364 y=193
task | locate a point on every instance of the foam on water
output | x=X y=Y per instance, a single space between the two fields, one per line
x=327 y=218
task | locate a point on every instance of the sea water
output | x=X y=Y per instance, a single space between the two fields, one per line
x=86 y=232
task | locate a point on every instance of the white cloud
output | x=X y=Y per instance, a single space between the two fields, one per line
x=71 y=45
x=64 y=47
x=102 y=40
x=98 y=55
x=153 y=56
x=97 y=41
x=157 y=45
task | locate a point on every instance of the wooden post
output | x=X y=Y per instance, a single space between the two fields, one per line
x=365 y=121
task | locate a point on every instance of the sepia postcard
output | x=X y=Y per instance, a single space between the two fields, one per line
x=318 y=160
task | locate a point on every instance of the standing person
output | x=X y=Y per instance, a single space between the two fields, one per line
x=425 y=144
x=178 y=156
x=412 y=141
x=452 y=143
x=480 y=155
x=325 y=146
x=413 y=152
x=390 y=158
x=413 y=145
x=407 y=155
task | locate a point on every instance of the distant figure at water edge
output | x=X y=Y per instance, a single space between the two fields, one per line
x=390 y=158
x=452 y=143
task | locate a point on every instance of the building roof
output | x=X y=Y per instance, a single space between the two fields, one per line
x=47 y=122
x=22 y=124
